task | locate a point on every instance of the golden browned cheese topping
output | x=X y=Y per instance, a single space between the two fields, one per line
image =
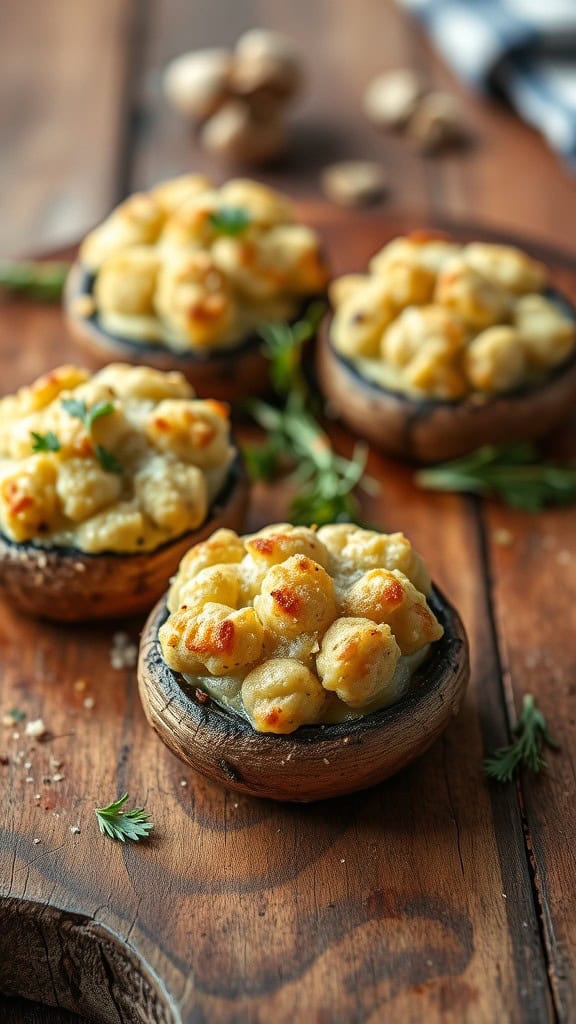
x=296 y=626
x=434 y=318
x=123 y=460
x=196 y=267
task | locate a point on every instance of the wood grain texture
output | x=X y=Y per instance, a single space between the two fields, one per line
x=400 y=900
x=64 y=67
x=433 y=897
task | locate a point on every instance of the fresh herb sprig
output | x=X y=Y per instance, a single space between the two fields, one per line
x=89 y=416
x=47 y=442
x=32 y=279
x=230 y=220
x=78 y=408
x=512 y=472
x=283 y=345
x=530 y=736
x=324 y=481
x=296 y=444
x=116 y=823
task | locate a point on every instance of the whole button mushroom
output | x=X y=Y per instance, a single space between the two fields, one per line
x=266 y=60
x=437 y=122
x=392 y=97
x=235 y=134
x=196 y=84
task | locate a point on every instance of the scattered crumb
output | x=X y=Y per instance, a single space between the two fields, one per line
x=235 y=805
x=183 y=783
x=326 y=761
x=58 y=777
x=36 y=729
x=36 y=841
x=28 y=765
x=124 y=653
x=55 y=762
x=80 y=685
x=75 y=830
x=89 y=703
x=503 y=537
x=346 y=739
x=15 y=735
x=504 y=895
x=37 y=796
x=12 y=717
x=29 y=778
x=342 y=860
x=354 y=182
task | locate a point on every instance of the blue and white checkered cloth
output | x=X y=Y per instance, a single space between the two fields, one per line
x=527 y=48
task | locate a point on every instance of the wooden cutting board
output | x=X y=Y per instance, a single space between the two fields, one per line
x=433 y=897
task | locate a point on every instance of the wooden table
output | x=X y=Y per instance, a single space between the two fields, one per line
x=434 y=897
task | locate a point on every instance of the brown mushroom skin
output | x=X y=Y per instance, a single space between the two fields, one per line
x=69 y=585
x=314 y=762
x=431 y=430
x=227 y=375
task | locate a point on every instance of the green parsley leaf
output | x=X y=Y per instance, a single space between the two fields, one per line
x=512 y=472
x=230 y=220
x=96 y=412
x=16 y=715
x=47 y=442
x=116 y=823
x=107 y=459
x=530 y=735
x=75 y=408
x=79 y=410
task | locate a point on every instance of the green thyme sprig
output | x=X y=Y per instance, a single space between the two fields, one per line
x=32 y=279
x=296 y=444
x=283 y=344
x=89 y=416
x=512 y=472
x=230 y=220
x=116 y=823
x=526 y=750
x=324 y=481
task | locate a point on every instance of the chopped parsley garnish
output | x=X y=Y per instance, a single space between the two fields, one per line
x=230 y=220
x=116 y=823
x=47 y=442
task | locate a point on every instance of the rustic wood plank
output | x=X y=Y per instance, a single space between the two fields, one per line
x=342 y=46
x=412 y=900
x=61 y=120
x=21 y=1011
x=534 y=594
